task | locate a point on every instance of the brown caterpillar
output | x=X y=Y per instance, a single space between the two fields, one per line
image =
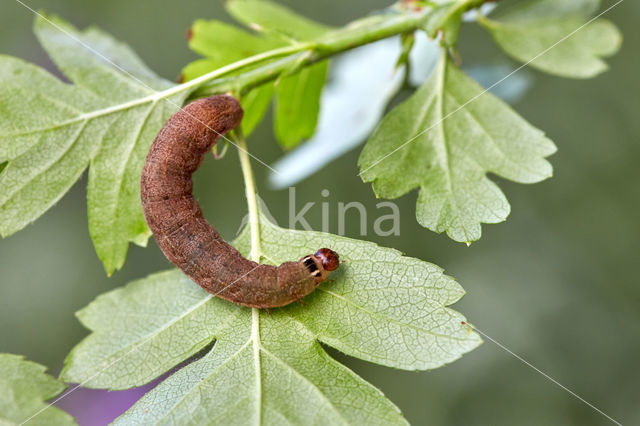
x=188 y=240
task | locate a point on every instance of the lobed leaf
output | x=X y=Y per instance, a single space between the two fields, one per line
x=297 y=104
x=223 y=44
x=51 y=131
x=24 y=390
x=382 y=307
x=555 y=36
x=297 y=97
x=297 y=94
x=255 y=105
x=361 y=83
x=444 y=139
x=143 y=330
x=270 y=17
x=264 y=370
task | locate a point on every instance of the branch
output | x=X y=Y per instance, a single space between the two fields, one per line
x=400 y=19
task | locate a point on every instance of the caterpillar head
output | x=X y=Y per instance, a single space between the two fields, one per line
x=321 y=264
x=328 y=258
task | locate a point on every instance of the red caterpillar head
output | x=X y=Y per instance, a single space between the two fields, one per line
x=329 y=259
x=321 y=264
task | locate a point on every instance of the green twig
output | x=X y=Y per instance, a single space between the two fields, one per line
x=331 y=44
x=400 y=20
x=251 y=194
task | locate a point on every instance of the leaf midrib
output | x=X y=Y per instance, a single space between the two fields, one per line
x=444 y=144
x=255 y=339
x=305 y=379
x=89 y=116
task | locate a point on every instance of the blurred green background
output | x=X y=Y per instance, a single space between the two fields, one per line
x=557 y=283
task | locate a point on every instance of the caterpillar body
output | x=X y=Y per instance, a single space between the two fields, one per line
x=184 y=235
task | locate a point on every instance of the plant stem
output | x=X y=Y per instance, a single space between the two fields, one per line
x=251 y=60
x=356 y=34
x=251 y=194
x=254 y=253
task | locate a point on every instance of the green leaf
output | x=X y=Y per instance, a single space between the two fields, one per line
x=164 y=315
x=24 y=388
x=223 y=44
x=297 y=96
x=297 y=101
x=262 y=15
x=264 y=370
x=255 y=105
x=297 y=104
x=447 y=19
x=382 y=307
x=443 y=140
x=51 y=131
x=554 y=33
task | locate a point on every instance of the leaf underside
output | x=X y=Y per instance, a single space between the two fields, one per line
x=51 y=131
x=24 y=390
x=382 y=307
x=555 y=36
x=444 y=140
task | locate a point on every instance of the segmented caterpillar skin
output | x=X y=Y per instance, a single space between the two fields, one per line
x=188 y=240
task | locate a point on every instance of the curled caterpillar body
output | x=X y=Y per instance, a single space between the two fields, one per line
x=188 y=240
